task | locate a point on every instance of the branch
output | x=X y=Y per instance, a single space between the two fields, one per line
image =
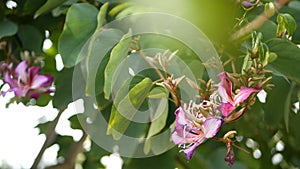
x=259 y=21
x=50 y=136
x=69 y=163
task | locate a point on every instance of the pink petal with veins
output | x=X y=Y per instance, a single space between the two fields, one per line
x=211 y=126
x=21 y=71
x=244 y=93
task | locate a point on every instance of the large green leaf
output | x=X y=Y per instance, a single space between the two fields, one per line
x=64 y=83
x=268 y=29
x=31 y=38
x=48 y=6
x=287 y=62
x=294 y=129
x=81 y=22
x=7 y=28
x=30 y=6
x=159 y=113
x=63 y=88
x=101 y=15
x=277 y=101
x=119 y=52
x=97 y=53
x=127 y=108
x=287 y=107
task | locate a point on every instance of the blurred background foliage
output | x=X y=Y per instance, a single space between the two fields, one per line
x=269 y=130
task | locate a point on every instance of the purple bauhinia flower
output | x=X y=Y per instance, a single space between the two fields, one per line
x=192 y=129
x=27 y=81
x=230 y=101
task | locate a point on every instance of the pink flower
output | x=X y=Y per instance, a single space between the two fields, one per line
x=192 y=129
x=230 y=101
x=27 y=82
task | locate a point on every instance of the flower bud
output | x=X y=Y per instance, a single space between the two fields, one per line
x=270 y=9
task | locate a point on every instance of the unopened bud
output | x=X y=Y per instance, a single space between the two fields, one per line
x=235 y=116
x=270 y=9
x=229 y=134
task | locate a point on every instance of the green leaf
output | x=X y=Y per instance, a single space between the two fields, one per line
x=159 y=113
x=119 y=52
x=288 y=58
x=65 y=143
x=75 y=124
x=294 y=129
x=43 y=100
x=48 y=6
x=81 y=22
x=121 y=93
x=287 y=107
x=278 y=101
x=285 y=22
x=93 y=157
x=7 y=28
x=118 y=8
x=298 y=94
x=128 y=107
x=101 y=15
x=31 y=38
x=268 y=29
x=43 y=127
x=30 y=6
x=98 y=50
x=63 y=88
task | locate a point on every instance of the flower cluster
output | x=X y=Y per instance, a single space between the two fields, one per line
x=26 y=81
x=196 y=123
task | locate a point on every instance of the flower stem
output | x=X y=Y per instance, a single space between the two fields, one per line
x=258 y=21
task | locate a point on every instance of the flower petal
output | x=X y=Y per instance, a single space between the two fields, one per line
x=248 y=4
x=49 y=82
x=177 y=137
x=181 y=119
x=225 y=88
x=190 y=151
x=16 y=91
x=211 y=126
x=10 y=81
x=244 y=93
x=21 y=71
x=227 y=108
x=39 y=81
x=34 y=95
x=33 y=71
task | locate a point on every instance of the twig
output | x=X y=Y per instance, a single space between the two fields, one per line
x=258 y=21
x=151 y=64
x=69 y=163
x=50 y=136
